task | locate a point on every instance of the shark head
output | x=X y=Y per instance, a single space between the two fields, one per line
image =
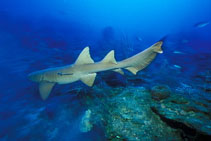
x=44 y=86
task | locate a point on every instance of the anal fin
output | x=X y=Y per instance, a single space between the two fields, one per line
x=133 y=70
x=89 y=79
x=119 y=71
x=45 y=89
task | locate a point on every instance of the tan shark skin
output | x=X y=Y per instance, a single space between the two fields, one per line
x=85 y=69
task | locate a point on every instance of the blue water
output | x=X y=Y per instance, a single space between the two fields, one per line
x=40 y=34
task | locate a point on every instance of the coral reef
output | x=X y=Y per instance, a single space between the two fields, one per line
x=160 y=92
x=135 y=113
x=191 y=117
x=85 y=124
x=125 y=113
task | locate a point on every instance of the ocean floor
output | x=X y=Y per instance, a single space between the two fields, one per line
x=168 y=103
x=118 y=107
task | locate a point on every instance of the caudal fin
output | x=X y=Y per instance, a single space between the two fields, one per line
x=143 y=59
x=157 y=47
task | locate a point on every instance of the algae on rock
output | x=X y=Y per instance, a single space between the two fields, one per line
x=85 y=124
x=125 y=113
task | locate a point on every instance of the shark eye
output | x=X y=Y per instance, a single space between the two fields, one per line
x=59 y=73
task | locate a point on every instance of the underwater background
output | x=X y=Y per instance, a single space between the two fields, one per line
x=168 y=100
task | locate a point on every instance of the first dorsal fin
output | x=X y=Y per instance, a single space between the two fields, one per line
x=84 y=57
x=109 y=58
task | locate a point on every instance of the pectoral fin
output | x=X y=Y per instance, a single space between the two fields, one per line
x=89 y=79
x=45 y=89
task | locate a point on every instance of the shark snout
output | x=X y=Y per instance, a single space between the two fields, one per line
x=34 y=76
x=31 y=76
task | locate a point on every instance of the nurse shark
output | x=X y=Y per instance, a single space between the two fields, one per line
x=85 y=69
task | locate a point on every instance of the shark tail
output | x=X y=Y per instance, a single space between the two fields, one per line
x=143 y=59
x=157 y=47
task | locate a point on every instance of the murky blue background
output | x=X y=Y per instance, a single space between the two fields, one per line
x=38 y=34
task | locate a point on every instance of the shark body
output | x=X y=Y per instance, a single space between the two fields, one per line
x=85 y=68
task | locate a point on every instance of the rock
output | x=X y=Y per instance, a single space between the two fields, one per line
x=160 y=92
x=113 y=79
x=125 y=114
x=192 y=117
x=129 y=113
x=85 y=124
x=205 y=76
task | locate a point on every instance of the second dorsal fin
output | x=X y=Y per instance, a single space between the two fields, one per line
x=84 y=57
x=109 y=58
